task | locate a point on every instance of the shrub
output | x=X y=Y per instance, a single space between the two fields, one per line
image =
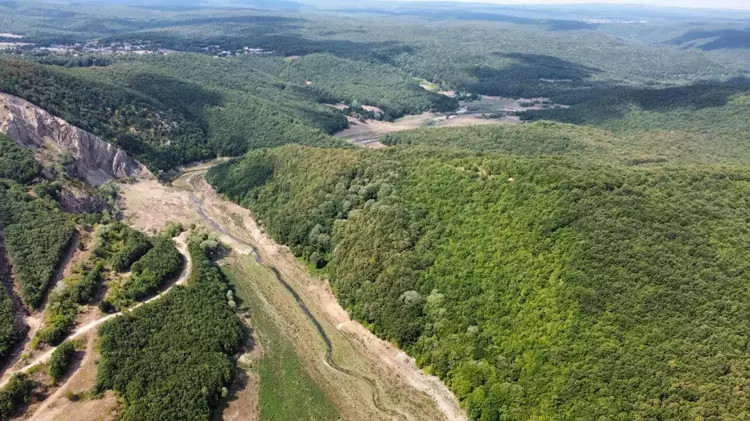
x=61 y=360
x=173 y=229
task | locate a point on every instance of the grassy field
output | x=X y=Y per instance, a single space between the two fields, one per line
x=287 y=392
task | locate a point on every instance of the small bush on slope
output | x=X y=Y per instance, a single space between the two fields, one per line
x=15 y=395
x=61 y=360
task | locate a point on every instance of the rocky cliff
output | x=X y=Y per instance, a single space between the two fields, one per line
x=94 y=160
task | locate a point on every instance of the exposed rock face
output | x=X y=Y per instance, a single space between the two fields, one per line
x=75 y=200
x=94 y=160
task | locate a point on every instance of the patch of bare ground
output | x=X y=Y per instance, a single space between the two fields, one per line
x=484 y=111
x=369 y=132
x=58 y=407
x=242 y=404
x=366 y=377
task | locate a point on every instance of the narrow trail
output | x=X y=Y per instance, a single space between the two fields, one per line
x=60 y=392
x=85 y=329
x=329 y=355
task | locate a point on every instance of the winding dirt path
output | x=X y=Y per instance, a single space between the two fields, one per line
x=180 y=243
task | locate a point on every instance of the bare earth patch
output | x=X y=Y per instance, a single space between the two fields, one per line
x=484 y=111
x=58 y=407
x=243 y=403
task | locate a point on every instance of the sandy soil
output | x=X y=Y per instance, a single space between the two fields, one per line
x=57 y=407
x=243 y=402
x=497 y=104
x=382 y=383
x=471 y=113
x=368 y=133
x=10 y=45
x=340 y=106
x=104 y=409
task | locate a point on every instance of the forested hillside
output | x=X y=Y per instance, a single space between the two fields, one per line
x=703 y=122
x=588 y=263
x=375 y=84
x=16 y=163
x=240 y=107
x=156 y=134
x=534 y=286
x=165 y=118
x=33 y=233
x=8 y=329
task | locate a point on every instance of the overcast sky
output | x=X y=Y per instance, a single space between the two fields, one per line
x=713 y=4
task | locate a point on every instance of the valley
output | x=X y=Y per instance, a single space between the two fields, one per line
x=319 y=211
x=348 y=362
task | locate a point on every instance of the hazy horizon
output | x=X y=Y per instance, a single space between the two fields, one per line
x=717 y=4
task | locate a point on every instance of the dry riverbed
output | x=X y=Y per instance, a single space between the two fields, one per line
x=365 y=377
x=362 y=376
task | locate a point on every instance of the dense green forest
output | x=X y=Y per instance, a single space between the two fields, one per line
x=492 y=58
x=16 y=163
x=161 y=264
x=154 y=133
x=703 y=122
x=538 y=138
x=170 y=359
x=243 y=79
x=19 y=165
x=535 y=286
x=8 y=333
x=351 y=81
x=166 y=121
x=117 y=248
x=37 y=235
x=150 y=262
x=121 y=246
x=239 y=106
